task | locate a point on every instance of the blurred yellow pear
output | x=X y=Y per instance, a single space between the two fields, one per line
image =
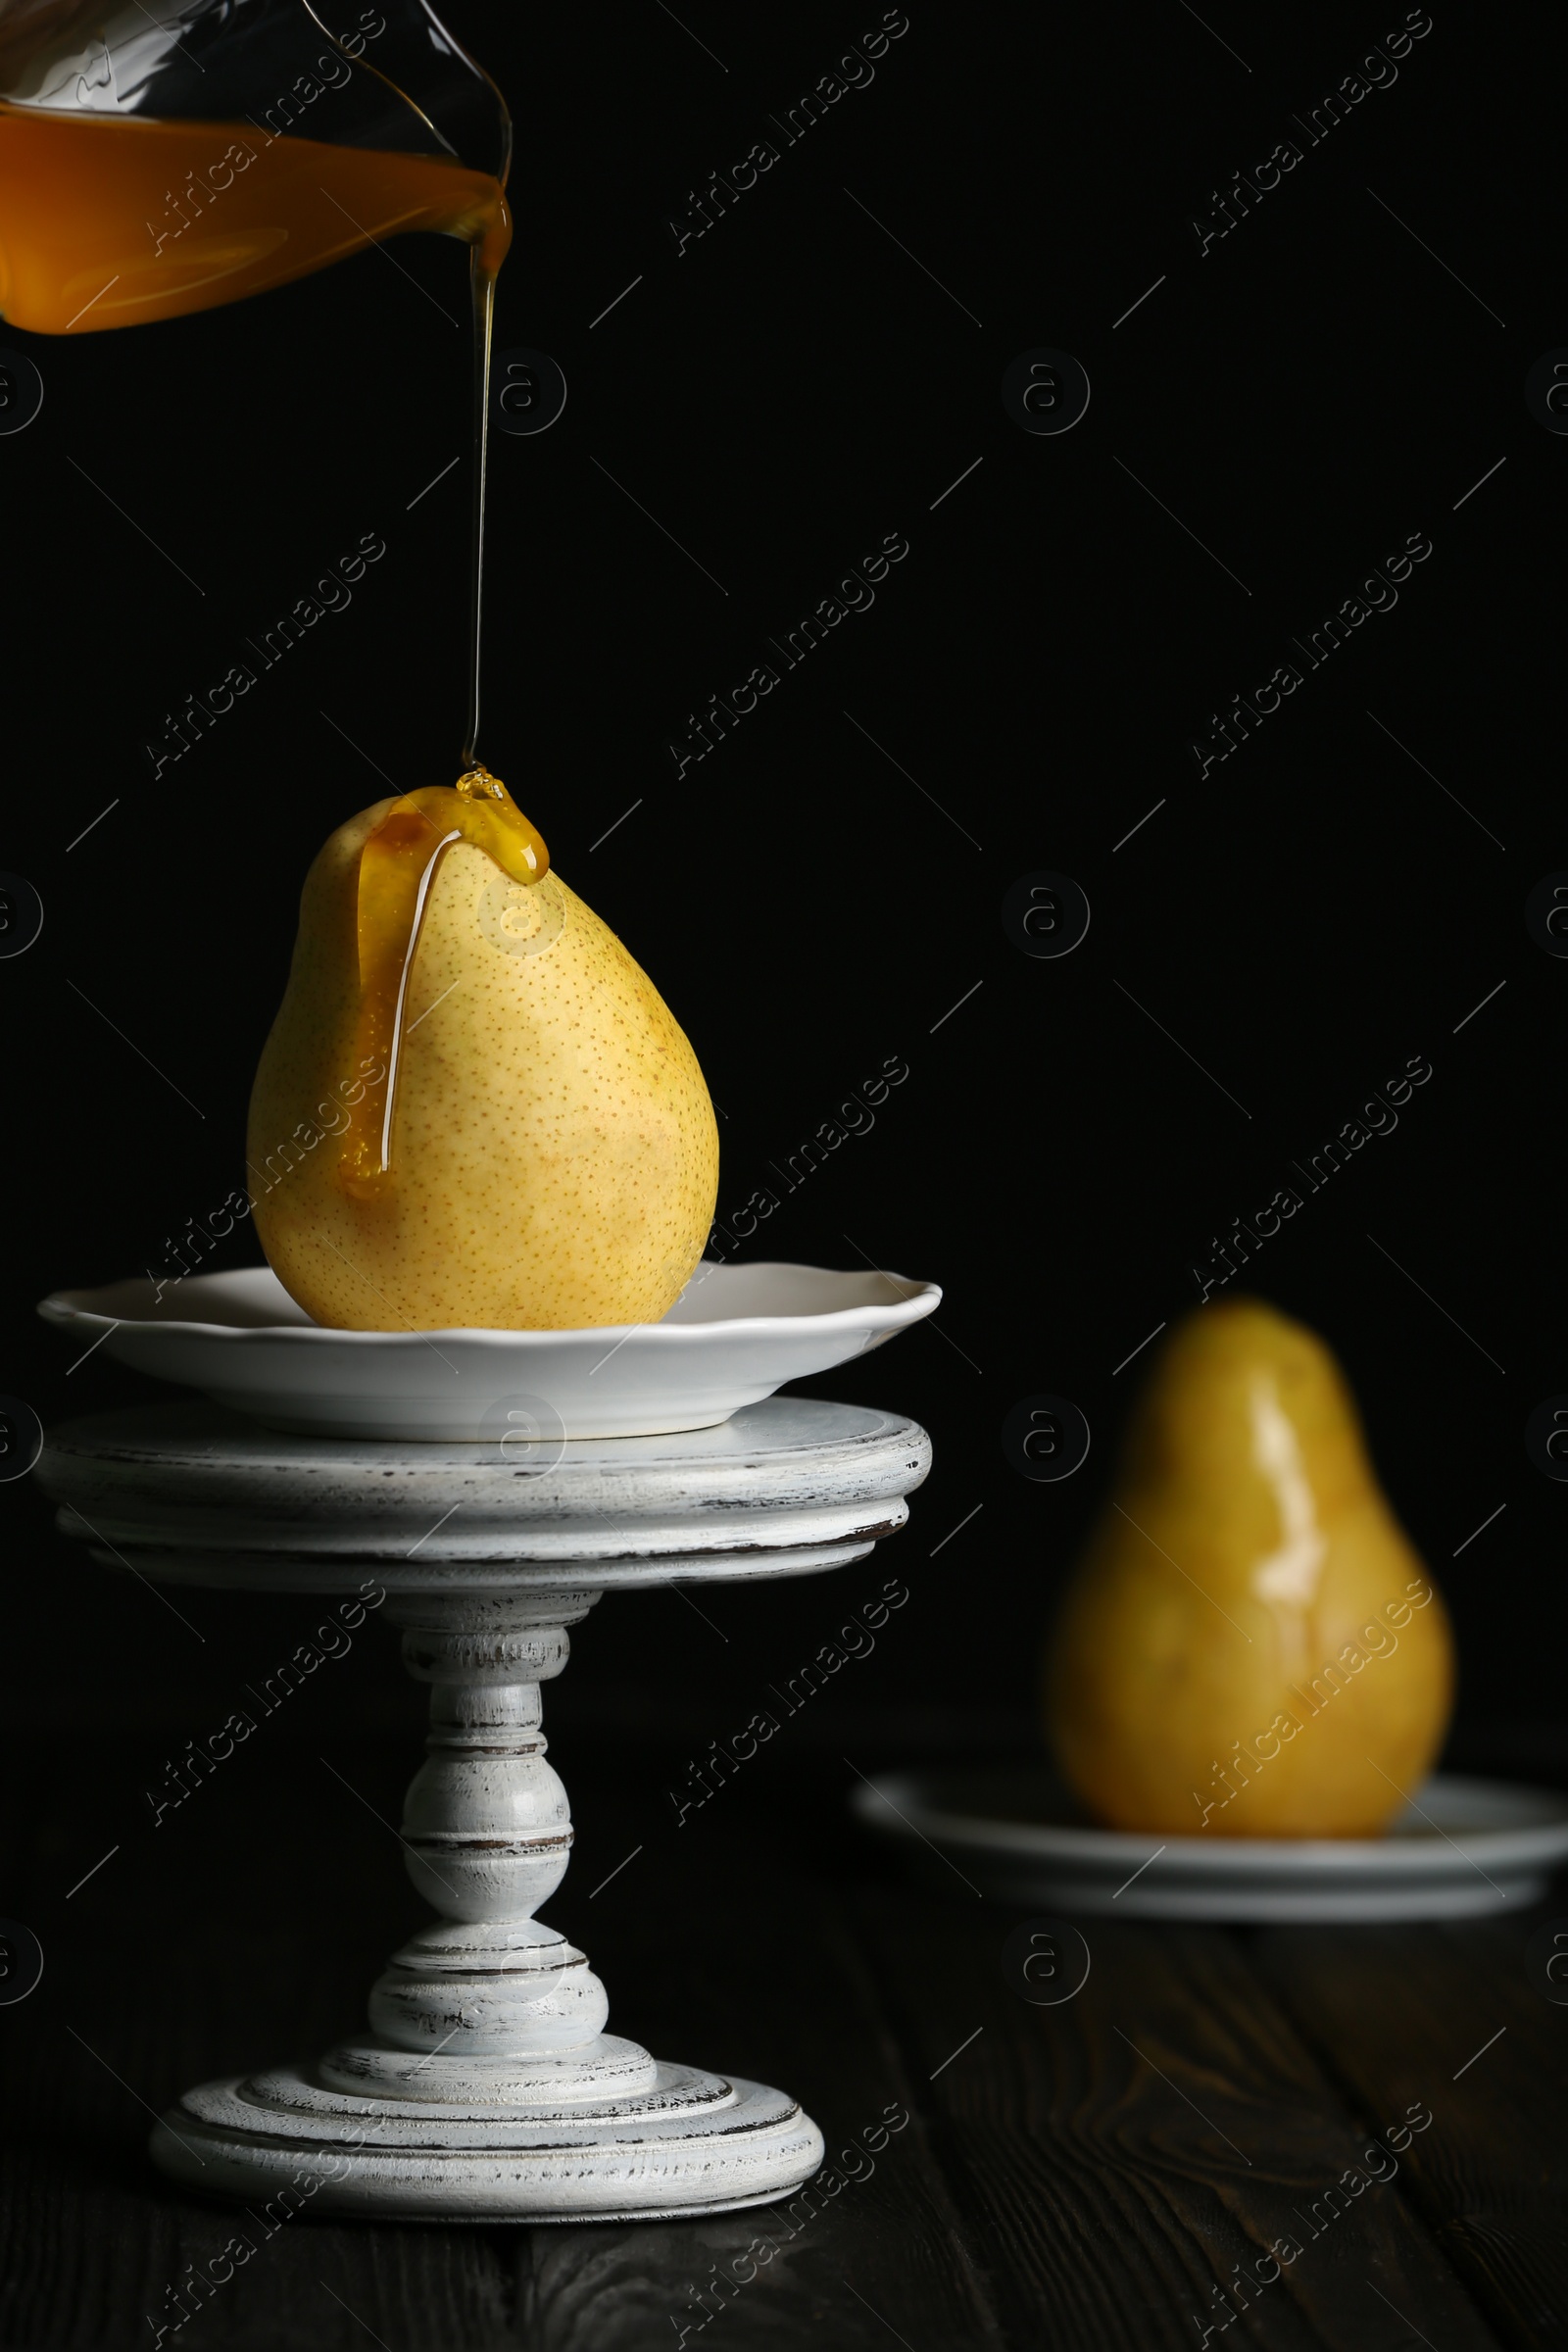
x=474 y=1110
x=1250 y=1646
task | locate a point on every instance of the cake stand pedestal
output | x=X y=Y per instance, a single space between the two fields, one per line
x=488 y=2087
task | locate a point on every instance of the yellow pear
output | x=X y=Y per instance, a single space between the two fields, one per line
x=1250 y=1646
x=474 y=1107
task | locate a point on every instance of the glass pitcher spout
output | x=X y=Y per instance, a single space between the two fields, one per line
x=159 y=162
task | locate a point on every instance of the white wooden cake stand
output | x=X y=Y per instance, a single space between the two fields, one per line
x=487 y=2089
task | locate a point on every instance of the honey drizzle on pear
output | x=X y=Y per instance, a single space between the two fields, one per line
x=398 y=867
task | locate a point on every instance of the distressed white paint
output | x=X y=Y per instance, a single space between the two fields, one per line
x=487 y=2086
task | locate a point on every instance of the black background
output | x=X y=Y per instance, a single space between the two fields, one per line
x=786 y=391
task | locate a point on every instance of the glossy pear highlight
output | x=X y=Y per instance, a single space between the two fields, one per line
x=475 y=1109
x=1250 y=1646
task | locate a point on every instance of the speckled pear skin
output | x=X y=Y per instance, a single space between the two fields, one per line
x=554 y=1158
x=1203 y=1675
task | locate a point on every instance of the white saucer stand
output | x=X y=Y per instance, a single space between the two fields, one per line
x=488 y=2087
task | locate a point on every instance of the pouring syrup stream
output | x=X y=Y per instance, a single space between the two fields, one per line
x=482 y=291
x=93 y=236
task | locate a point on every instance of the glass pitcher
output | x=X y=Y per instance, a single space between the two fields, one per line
x=157 y=159
x=153 y=163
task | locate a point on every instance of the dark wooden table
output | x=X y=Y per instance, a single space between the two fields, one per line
x=1085 y=2175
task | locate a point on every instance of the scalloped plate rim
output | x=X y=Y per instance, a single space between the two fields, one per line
x=65 y=1310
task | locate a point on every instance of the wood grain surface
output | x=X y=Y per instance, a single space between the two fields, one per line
x=1448 y=2015
x=1094 y=2175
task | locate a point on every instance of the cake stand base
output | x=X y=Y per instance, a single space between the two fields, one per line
x=488 y=2087
x=695 y=2143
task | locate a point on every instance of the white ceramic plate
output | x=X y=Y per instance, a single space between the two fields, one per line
x=736 y=1335
x=1472 y=1847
